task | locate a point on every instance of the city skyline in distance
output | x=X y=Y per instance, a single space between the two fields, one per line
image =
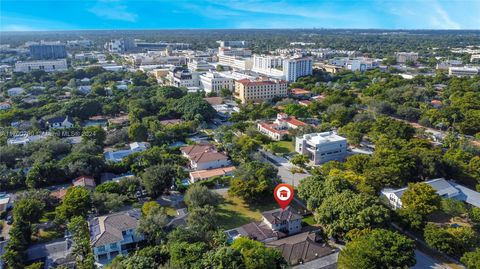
x=40 y=15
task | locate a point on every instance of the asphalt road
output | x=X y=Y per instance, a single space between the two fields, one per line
x=426 y=262
x=284 y=166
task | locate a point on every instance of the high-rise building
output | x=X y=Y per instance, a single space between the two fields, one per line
x=260 y=90
x=47 y=50
x=289 y=69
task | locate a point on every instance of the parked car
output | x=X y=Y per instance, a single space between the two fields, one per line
x=10 y=220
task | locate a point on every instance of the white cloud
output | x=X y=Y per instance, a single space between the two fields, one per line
x=18 y=28
x=113 y=12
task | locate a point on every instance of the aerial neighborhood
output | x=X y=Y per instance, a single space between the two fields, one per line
x=162 y=149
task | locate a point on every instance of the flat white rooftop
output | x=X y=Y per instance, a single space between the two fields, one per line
x=325 y=137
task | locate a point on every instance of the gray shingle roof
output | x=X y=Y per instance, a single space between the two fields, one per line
x=108 y=229
x=279 y=215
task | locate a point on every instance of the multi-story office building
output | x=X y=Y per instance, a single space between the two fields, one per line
x=182 y=77
x=403 y=57
x=215 y=82
x=260 y=90
x=47 y=50
x=289 y=69
x=322 y=147
x=235 y=62
x=120 y=45
x=199 y=65
x=47 y=66
x=463 y=71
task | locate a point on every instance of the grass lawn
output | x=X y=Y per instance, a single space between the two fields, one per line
x=172 y=212
x=283 y=147
x=309 y=220
x=234 y=212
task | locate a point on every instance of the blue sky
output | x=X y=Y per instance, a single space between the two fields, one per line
x=23 y=15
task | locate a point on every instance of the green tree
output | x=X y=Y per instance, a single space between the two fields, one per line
x=378 y=249
x=185 y=255
x=256 y=255
x=108 y=187
x=224 y=257
x=82 y=250
x=153 y=225
x=137 y=132
x=418 y=201
x=200 y=196
x=77 y=202
x=342 y=212
x=94 y=133
x=253 y=180
x=472 y=259
x=159 y=177
x=108 y=202
x=202 y=220
x=300 y=160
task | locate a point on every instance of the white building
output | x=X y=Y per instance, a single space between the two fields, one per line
x=182 y=77
x=15 y=91
x=215 y=81
x=114 y=234
x=46 y=65
x=444 y=188
x=403 y=57
x=117 y=156
x=235 y=62
x=463 y=71
x=289 y=69
x=287 y=221
x=278 y=130
x=322 y=147
x=199 y=65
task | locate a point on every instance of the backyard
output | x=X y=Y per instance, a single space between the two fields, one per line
x=282 y=147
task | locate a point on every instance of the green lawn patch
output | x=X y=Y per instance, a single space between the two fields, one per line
x=283 y=147
x=234 y=212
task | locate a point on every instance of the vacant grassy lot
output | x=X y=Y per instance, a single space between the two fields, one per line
x=283 y=147
x=234 y=212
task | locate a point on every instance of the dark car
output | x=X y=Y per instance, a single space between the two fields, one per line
x=10 y=220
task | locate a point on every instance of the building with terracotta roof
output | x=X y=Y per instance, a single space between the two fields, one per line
x=300 y=93
x=278 y=130
x=114 y=234
x=200 y=175
x=5 y=105
x=204 y=157
x=248 y=90
x=59 y=194
x=84 y=181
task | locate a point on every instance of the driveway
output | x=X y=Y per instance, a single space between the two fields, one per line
x=426 y=262
x=284 y=166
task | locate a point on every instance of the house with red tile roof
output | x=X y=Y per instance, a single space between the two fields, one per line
x=85 y=181
x=204 y=157
x=278 y=130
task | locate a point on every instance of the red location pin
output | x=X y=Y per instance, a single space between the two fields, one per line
x=283 y=194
